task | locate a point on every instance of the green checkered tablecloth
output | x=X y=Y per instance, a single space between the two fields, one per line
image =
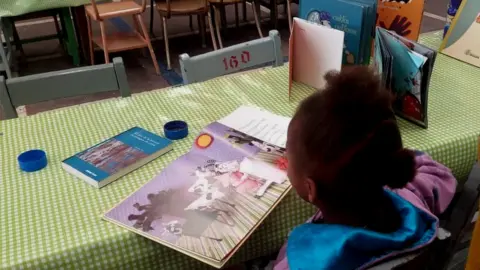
x=51 y=220
x=19 y=7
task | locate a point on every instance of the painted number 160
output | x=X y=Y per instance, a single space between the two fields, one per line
x=232 y=62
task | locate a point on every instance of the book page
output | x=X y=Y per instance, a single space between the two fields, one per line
x=260 y=124
x=316 y=50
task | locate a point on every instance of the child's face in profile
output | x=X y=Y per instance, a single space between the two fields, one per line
x=296 y=169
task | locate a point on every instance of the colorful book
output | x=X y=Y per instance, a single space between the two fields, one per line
x=405 y=68
x=356 y=18
x=462 y=40
x=113 y=158
x=403 y=17
x=207 y=202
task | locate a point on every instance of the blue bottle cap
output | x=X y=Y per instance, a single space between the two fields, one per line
x=32 y=160
x=175 y=130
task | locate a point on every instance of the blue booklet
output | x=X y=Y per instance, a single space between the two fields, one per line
x=356 y=18
x=113 y=158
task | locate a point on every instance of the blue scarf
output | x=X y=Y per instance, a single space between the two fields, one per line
x=338 y=247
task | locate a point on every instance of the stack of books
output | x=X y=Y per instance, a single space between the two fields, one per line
x=356 y=18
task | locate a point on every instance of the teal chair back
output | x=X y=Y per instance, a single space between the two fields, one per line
x=232 y=59
x=61 y=84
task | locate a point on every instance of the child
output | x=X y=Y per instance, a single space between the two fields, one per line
x=376 y=199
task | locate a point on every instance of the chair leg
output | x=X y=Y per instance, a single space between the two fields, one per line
x=210 y=27
x=139 y=33
x=137 y=26
x=237 y=23
x=223 y=16
x=90 y=40
x=152 y=4
x=256 y=12
x=161 y=23
x=59 y=31
x=273 y=13
x=201 y=27
x=165 y=39
x=244 y=11
x=289 y=15
x=218 y=25
x=5 y=60
x=149 y=43
x=16 y=39
x=190 y=22
x=69 y=34
x=104 y=41
x=8 y=35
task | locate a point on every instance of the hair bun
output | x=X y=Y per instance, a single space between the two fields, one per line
x=400 y=169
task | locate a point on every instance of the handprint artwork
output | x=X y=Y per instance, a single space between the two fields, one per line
x=399 y=25
x=401 y=16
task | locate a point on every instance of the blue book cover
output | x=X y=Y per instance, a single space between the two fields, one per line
x=369 y=24
x=117 y=156
x=341 y=15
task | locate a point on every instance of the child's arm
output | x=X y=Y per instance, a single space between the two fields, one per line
x=433 y=186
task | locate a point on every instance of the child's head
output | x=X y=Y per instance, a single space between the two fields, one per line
x=344 y=142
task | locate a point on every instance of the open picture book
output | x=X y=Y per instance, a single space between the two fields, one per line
x=209 y=201
x=405 y=68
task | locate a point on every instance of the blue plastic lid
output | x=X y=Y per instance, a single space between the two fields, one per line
x=175 y=130
x=32 y=160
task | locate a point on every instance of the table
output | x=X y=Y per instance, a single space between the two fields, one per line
x=52 y=220
x=19 y=7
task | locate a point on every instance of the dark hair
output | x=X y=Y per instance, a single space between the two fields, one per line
x=347 y=136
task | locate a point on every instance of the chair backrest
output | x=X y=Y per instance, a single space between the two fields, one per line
x=232 y=59
x=461 y=221
x=423 y=259
x=407 y=262
x=458 y=221
x=60 y=84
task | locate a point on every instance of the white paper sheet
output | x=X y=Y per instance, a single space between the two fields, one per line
x=261 y=124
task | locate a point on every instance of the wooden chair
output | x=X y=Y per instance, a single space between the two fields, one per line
x=119 y=41
x=169 y=8
x=60 y=84
x=217 y=5
x=232 y=59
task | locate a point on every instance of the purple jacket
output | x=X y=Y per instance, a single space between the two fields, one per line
x=431 y=191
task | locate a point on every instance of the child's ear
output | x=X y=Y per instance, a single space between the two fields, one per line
x=311 y=190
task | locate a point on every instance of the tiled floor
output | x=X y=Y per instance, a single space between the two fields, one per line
x=47 y=55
